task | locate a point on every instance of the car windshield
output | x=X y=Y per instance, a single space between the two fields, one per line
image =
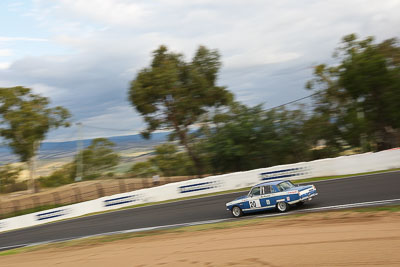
x=285 y=186
x=255 y=191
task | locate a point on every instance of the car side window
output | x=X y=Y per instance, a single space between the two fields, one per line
x=267 y=189
x=274 y=190
x=256 y=191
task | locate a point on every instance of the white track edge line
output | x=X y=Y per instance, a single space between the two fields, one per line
x=342 y=206
x=176 y=201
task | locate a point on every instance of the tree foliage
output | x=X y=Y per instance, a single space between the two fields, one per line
x=168 y=161
x=360 y=96
x=171 y=162
x=246 y=138
x=173 y=94
x=97 y=157
x=26 y=119
x=8 y=179
x=64 y=175
x=143 y=169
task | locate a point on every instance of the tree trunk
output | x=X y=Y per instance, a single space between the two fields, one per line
x=31 y=164
x=182 y=134
x=196 y=161
x=192 y=155
x=31 y=183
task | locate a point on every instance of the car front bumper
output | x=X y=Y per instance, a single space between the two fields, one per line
x=308 y=197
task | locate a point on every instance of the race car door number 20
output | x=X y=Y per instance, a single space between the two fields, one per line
x=254 y=204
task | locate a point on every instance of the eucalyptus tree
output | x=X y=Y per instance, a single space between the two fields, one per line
x=360 y=93
x=172 y=94
x=97 y=157
x=25 y=119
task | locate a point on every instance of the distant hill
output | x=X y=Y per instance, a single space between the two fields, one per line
x=54 y=150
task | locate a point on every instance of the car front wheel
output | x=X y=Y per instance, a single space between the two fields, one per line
x=282 y=206
x=236 y=211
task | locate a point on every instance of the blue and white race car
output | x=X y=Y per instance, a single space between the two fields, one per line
x=270 y=195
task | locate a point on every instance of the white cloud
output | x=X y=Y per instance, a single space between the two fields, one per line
x=254 y=58
x=49 y=91
x=4 y=65
x=121 y=117
x=11 y=39
x=120 y=12
x=267 y=47
x=113 y=121
x=5 y=52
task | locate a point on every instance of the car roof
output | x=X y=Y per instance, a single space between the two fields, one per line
x=270 y=183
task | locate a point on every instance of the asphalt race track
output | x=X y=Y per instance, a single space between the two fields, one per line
x=368 y=188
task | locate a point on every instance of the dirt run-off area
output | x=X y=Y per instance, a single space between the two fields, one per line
x=323 y=239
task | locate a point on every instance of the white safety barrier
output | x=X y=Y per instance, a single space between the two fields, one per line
x=366 y=162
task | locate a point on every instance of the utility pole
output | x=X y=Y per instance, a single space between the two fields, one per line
x=79 y=158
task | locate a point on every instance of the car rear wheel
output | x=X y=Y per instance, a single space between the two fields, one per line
x=236 y=211
x=282 y=206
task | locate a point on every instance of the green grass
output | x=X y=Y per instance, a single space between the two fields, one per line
x=92 y=241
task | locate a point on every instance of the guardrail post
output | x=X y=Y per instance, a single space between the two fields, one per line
x=77 y=192
x=100 y=190
x=122 y=187
x=36 y=201
x=56 y=198
x=15 y=205
x=132 y=186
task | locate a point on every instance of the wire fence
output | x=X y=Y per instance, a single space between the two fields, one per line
x=78 y=192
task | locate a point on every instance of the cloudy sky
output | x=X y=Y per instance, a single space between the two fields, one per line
x=83 y=53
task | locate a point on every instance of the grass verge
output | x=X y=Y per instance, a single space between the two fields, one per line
x=98 y=240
